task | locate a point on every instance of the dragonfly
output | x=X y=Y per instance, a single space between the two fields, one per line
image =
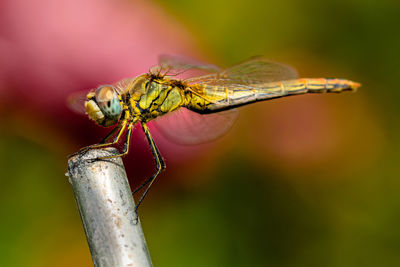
x=211 y=99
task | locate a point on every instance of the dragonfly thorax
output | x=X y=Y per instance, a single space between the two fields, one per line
x=151 y=96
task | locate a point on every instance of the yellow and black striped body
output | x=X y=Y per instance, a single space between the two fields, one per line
x=149 y=96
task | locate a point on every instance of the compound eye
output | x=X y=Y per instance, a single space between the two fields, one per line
x=105 y=93
x=107 y=99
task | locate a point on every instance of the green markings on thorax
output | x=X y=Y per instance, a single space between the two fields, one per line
x=173 y=100
x=154 y=96
x=161 y=96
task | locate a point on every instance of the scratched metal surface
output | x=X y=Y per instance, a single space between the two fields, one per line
x=106 y=206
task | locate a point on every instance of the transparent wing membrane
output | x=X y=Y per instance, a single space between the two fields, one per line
x=186 y=127
x=170 y=65
x=252 y=72
x=242 y=83
x=76 y=101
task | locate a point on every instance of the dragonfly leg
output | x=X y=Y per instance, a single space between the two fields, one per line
x=160 y=165
x=142 y=185
x=126 y=144
x=110 y=134
x=103 y=143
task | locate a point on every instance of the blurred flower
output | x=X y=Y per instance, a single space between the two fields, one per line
x=50 y=49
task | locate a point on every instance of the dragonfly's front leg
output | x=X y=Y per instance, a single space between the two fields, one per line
x=103 y=143
x=160 y=165
x=109 y=135
x=126 y=144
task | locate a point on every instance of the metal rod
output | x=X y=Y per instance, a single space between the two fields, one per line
x=106 y=207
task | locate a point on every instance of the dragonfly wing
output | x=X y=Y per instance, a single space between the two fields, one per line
x=172 y=65
x=124 y=85
x=252 y=80
x=252 y=72
x=76 y=101
x=186 y=127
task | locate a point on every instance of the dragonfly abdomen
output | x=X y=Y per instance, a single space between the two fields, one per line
x=306 y=85
x=326 y=85
x=246 y=94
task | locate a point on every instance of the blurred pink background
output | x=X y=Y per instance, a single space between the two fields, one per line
x=303 y=181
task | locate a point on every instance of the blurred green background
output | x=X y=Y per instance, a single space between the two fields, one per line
x=303 y=181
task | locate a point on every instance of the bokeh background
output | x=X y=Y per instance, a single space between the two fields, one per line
x=311 y=180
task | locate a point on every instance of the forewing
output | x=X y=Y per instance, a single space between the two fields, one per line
x=124 y=85
x=76 y=101
x=186 y=127
x=253 y=73
x=172 y=65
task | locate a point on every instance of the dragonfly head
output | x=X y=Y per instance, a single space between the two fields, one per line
x=104 y=105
